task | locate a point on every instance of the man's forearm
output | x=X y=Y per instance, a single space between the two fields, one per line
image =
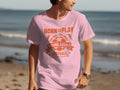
x=31 y=67
x=33 y=56
x=88 y=56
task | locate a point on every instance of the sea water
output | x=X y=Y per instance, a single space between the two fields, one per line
x=106 y=25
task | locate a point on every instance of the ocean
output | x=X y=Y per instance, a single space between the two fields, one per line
x=106 y=43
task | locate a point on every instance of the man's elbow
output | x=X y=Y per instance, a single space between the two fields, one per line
x=88 y=44
x=33 y=48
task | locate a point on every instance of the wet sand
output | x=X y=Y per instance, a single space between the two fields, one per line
x=14 y=76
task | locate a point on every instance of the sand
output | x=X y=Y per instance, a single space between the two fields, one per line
x=14 y=76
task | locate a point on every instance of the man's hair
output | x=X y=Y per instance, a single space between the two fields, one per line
x=53 y=2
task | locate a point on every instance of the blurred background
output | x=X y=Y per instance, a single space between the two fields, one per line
x=103 y=16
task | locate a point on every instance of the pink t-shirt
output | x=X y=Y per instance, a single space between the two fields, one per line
x=59 y=60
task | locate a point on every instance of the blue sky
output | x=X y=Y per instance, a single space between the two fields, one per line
x=94 y=5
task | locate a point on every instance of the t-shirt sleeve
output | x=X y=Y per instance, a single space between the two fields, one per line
x=33 y=33
x=86 y=31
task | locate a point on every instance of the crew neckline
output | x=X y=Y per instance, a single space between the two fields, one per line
x=57 y=19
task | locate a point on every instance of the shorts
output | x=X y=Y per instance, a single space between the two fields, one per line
x=46 y=89
x=42 y=89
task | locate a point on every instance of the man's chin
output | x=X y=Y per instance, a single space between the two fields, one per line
x=69 y=9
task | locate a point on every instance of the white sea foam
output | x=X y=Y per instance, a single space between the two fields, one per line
x=12 y=35
x=95 y=40
x=106 y=41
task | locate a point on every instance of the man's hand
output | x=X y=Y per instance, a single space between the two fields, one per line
x=83 y=82
x=32 y=85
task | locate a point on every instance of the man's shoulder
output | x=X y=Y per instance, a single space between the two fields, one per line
x=77 y=13
x=39 y=15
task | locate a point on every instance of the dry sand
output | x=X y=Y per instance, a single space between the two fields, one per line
x=15 y=77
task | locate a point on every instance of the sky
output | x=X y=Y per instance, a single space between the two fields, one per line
x=89 y=5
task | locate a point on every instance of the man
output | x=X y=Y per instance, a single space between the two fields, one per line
x=55 y=36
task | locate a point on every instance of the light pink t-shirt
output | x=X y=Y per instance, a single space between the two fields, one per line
x=59 y=61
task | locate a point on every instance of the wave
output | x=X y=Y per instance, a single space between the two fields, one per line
x=114 y=55
x=105 y=54
x=95 y=40
x=12 y=35
x=106 y=41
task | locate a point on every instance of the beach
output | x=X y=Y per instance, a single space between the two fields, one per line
x=15 y=76
x=14 y=70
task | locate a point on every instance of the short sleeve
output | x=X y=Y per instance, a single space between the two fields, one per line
x=33 y=33
x=86 y=31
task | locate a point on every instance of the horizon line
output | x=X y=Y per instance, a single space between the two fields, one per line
x=73 y=9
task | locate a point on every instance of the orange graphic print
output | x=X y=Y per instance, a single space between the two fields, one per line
x=60 y=44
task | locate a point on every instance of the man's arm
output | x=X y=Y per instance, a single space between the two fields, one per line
x=33 y=59
x=88 y=55
x=88 y=58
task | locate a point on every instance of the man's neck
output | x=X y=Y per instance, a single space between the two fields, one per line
x=56 y=13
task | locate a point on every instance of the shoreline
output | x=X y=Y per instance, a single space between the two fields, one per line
x=19 y=54
x=15 y=76
x=96 y=52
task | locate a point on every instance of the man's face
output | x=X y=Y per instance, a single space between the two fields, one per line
x=67 y=4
